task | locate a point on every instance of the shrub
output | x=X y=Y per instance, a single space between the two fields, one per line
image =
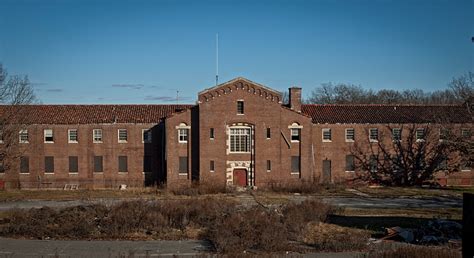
x=334 y=238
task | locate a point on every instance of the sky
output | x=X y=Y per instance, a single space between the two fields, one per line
x=106 y=52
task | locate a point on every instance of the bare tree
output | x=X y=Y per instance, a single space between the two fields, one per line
x=15 y=92
x=410 y=155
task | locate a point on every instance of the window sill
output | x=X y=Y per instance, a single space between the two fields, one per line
x=98 y=142
x=327 y=140
x=374 y=140
x=73 y=173
x=212 y=171
x=24 y=173
x=123 y=173
x=49 y=173
x=240 y=114
x=351 y=141
x=24 y=142
x=98 y=173
x=295 y=173
x=466 y=170
x=268 y=171
x=48 y=142
x=294 y=141
x=182 y=141
x=73 y=142
x=350 y=171
x=182 y=174
x=234 y=152
x=122 y=141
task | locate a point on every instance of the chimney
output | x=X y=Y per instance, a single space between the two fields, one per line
x=295 y=98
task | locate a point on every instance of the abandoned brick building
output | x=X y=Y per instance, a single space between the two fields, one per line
x=238 y=133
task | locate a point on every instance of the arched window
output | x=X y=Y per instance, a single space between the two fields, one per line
x=183 y=133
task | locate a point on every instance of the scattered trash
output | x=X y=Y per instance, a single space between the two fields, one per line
x=435 y=232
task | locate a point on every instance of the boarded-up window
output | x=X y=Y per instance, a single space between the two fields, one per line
x=24 y=164
x=183 y=165
x=350 y=166
x=295 y=163
x=147 y=163
x=49 y=164
x=122 y=164
x=73 y=164
x=98 y=164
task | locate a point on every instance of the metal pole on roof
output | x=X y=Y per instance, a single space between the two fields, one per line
x=217 y=58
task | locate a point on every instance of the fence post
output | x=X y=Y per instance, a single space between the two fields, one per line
x=468 y=225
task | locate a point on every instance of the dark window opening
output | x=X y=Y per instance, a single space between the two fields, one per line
x=240 y=107
x=183 y=165
x=211 y=133
x=350 y=165
x=73 y=164
x=295 y=164
x=49 y=164
x=268 y=133
x=122 y=164
x=98 y=164
x=269 y=165
x=24 y=164
x=211 y=165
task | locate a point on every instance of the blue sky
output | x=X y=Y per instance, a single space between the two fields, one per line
x=143 y=51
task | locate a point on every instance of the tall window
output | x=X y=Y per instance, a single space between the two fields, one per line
x=327 y=135
x=350 y=135
x=240 y=107
x=211 y=166
x=269 y=133
x=444 y=133
x=373 y=163
x=1 y=136
x=24 y=164
x=420 y=134
x=240 y=139
x=49 y=164
x=98 y=164
x=295 y=134
x=97 y=135
x=269 y=165
x=295 y=164
x=24 y=136
x=183 y=135
x=72 y=135
x=122 y=135
x=211 y=133
x=146 y=136
x=73 y=164
x=183 y=165
x=396 y=134
x=122 y=164
x=48 y=135
x=350 y=165
x=374 y=134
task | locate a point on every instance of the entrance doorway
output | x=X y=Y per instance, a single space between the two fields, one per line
x=326 y=171
x=240 y=177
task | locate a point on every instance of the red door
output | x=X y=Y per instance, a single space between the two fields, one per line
x=240 y=177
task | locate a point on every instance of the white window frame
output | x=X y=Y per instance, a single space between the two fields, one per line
x=399 y=134
x=325 y=130
x=295 y=126
x=240 y=129
x=96 y=132
x=370 y=135
x=353 y=135
x=45 y=131
x=69 y=136
x=118 y=135
x=22 y=132
x=149 y=138
x=423 y=136
x=180 y=128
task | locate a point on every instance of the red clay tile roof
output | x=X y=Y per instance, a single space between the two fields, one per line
x=373 y=114
x=95 y=114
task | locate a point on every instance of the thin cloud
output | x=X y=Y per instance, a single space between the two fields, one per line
x=165 y=98
x=54 y=90
x=38 y=83
x=129 y=86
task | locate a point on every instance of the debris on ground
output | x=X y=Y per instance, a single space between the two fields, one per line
x=435 y=232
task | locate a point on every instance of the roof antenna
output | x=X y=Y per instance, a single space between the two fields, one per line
x=217 y=59
x=177 y=97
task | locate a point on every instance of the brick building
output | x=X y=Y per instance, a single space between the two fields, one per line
x=238 y=133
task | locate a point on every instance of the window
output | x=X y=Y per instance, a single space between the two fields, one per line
x=373 y=164
x=24 y=164
x=211 y=133
x=269 y=133
x=465 y=133
x=211 y=166
x=147 y=163
x=72 y=135
x=444 y=134
x=240 y=139
x=420 y=134
x=295 y=134
x=374 y=134
x=48 y=135
x=350 y=135
x=326 y=135
x=295 y=164
x=122 y=164
x=269 y=165
x=98 y=161
x=350 y=165
x=240 y=107
x=1 y=136
x=183 y=135
x=183 y=165
x=49 y=164
x=97 y=135
x=396 y=134
x=73 y=164
x=122 y=135
x=2 y=167
x=146 y=136
x=24 y=136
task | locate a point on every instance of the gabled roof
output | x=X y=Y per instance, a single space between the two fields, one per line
x=93 y=114
x=236 y=80
x=382 y=114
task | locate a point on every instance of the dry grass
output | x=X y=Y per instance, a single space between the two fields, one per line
x=412 y=251
x=333 y=238
x=387 y=192
x=441 y=213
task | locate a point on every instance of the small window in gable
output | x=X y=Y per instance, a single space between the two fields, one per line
x=327 y=137
x=420 y=134
x=396 y=134
x=72 y=136
x=374 y=134
x=122 y=135
x=240 y=107
x=350 y=135
x=183 y=133
x=24 y=136
x=97 y=135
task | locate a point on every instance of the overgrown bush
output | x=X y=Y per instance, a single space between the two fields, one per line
x=200 y=188
x=334 y=238
x=304 y=187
